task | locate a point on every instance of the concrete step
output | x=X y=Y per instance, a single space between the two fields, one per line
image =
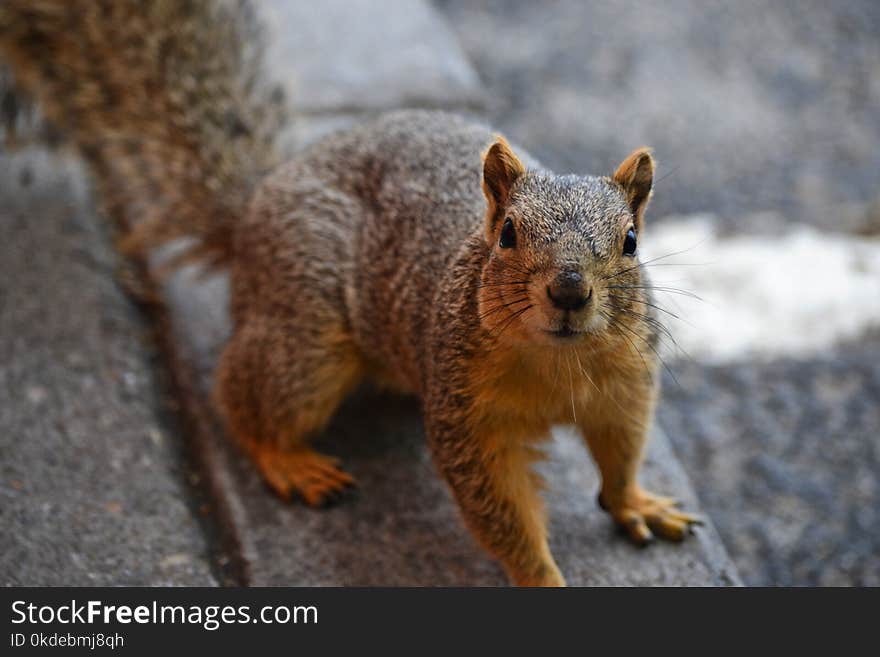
x=359 y=55
x=92 y=482
x=402 y=528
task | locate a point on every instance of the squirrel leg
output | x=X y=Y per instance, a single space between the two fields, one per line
x=277 y=385
x=491 y=477
x=617 y=441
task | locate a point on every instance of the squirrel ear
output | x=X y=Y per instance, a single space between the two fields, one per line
x=636 y=175
x=501 y=168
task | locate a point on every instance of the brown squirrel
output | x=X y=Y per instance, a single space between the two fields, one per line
x=416 y=249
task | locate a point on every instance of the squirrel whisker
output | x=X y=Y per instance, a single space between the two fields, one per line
x=659 y=288
x=501 y=284
x=652 y=348
x=646 y=303
x=648 y=262
x=501 y=306
x=510 y=321
x=614 y=327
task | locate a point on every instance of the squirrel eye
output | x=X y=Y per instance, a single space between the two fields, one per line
x=629 y=244
x=508 y=235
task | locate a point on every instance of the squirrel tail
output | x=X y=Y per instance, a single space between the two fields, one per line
x=165 y=100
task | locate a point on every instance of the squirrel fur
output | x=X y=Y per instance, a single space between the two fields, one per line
x=417 y=249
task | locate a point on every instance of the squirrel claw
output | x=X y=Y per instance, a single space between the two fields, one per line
x=644 y=515
x=316 y=479
x=638 y=531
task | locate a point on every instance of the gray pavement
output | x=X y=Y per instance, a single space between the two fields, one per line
x=754 y=105
x=356 y=55
x=92 y=484
x=785 y=455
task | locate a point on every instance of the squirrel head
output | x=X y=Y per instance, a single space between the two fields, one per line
x=563 y=250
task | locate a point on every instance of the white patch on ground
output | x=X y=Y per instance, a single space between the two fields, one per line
x=762 y=296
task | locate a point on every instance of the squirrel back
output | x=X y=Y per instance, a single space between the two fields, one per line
x=102 y=71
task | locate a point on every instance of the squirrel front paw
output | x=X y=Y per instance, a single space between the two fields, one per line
x=642 y=515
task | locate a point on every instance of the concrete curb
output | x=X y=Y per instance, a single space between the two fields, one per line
x=94 y=490
x=403 y=529
x=340 y=56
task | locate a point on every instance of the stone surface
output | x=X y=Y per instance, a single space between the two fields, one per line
x=355 y=55
x=785 y=455
x=402 y=528
x=750 y=106
x=92 y=488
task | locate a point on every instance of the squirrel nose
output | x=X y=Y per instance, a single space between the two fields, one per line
x=567 y=291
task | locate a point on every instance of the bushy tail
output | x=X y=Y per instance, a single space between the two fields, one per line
x=164 y=98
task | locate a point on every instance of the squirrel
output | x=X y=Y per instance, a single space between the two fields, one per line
x=418 y=249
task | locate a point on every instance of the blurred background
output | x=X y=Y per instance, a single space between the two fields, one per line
x=765 y=226
x=765 y=119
